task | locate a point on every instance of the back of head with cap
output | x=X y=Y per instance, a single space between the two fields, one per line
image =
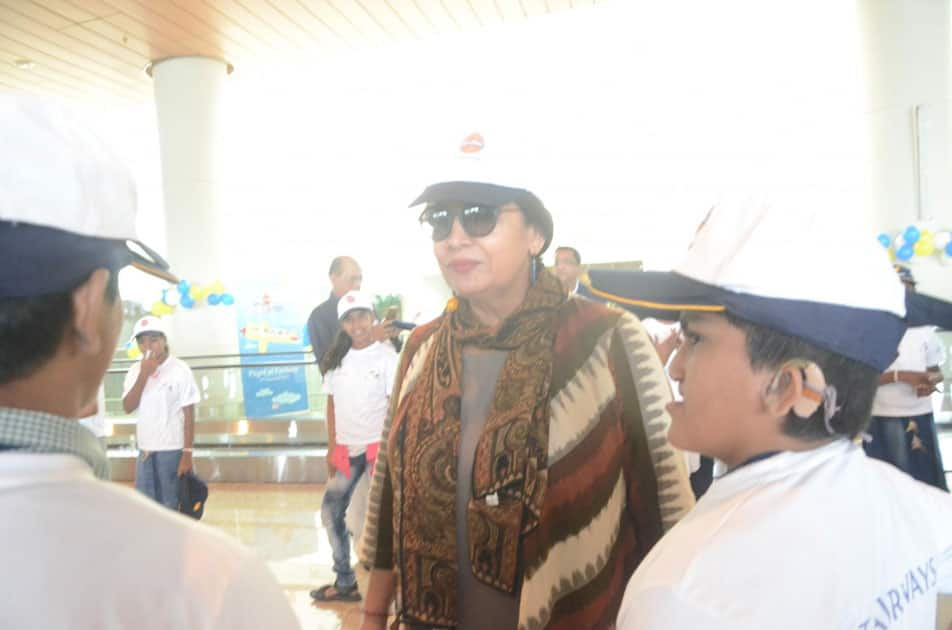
x=67 y=217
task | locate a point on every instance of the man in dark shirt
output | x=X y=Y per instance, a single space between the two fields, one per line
x=322 y=325
x=568 y=269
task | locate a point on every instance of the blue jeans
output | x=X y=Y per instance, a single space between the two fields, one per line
x=910 y=444
x=156 y=476
x=333 y=511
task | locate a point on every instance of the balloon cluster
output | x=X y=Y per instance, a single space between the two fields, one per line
x=189 y=296
x=915 y=242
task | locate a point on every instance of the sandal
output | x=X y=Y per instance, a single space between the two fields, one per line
x=330 y=593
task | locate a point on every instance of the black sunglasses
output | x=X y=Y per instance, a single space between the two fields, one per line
x=477 y=221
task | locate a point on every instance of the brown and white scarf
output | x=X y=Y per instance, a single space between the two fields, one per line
x=509 y=472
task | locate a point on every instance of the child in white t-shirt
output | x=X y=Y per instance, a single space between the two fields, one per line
x=903 y=429
x=358 y=377
x=162 y=390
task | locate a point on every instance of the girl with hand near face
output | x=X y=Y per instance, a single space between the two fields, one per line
x=358 y=376
x=163 y=392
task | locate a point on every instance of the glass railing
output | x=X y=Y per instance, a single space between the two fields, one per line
x=222 y=418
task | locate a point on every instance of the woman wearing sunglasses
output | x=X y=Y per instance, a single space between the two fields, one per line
x=525 y=469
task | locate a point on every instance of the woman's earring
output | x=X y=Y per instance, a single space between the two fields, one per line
x=534 y=271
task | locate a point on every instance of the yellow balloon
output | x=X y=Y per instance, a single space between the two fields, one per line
x=194 y=292
x=218 y=287
x=926 y=237
x=133 y=352
x=892 y=256
x=924 y=248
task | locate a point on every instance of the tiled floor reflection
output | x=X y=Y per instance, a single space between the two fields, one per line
x=283 y=523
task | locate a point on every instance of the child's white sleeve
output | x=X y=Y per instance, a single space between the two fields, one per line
x=189 y=388
x=935 y=353
x=328 y=386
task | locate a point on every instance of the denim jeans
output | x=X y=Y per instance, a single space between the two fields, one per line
x=910 y=444
x=156 y=476
x=333 y=512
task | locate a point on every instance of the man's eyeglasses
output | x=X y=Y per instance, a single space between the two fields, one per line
x=477 y=221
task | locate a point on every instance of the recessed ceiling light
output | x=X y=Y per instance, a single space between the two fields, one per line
x=24 y=64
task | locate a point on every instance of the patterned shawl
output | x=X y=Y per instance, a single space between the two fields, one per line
x=509 y=473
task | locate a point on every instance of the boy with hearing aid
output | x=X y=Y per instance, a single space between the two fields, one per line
x=781 y=351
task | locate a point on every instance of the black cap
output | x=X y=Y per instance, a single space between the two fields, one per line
x=193 y=492
x=484 y=194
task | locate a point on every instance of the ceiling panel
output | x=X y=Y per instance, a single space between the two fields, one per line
x=96 y=50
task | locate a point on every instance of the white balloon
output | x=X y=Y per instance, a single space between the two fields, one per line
x=942 y=239
x=172 y=297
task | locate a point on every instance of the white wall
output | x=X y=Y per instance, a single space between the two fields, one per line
x=906 y=49
x=632 y=118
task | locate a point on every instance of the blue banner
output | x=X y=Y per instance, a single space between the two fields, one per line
x=267 y=327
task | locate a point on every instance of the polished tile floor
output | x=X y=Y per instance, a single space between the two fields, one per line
x=283 y=522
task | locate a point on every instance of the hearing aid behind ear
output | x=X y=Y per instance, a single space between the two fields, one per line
x=814 y=386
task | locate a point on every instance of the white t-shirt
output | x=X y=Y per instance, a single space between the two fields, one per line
x=919 y=349
x=826 y=538
x=361 y=389
x=97 y=422
x=160 y=423
x=119 y=561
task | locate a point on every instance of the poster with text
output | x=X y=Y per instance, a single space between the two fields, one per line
x=266 y=328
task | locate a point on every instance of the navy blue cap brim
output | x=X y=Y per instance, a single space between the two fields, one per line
x=868 y=336
x=38 y=260
x=925 y=310
x=485 y=194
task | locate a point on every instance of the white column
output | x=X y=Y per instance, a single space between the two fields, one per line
x=188 y=99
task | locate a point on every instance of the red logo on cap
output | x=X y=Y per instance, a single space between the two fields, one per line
x=145 y=322
x=473 y=143
x=350 y=298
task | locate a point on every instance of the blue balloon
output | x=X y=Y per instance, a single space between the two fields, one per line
x=187 y=301
x=905 y=252
x=911 y=234
x=884 y=239
x=183 y=287
x=213 y=299
x=948 y=249
x=227 y=299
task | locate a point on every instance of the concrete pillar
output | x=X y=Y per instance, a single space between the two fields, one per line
x=188 y=99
